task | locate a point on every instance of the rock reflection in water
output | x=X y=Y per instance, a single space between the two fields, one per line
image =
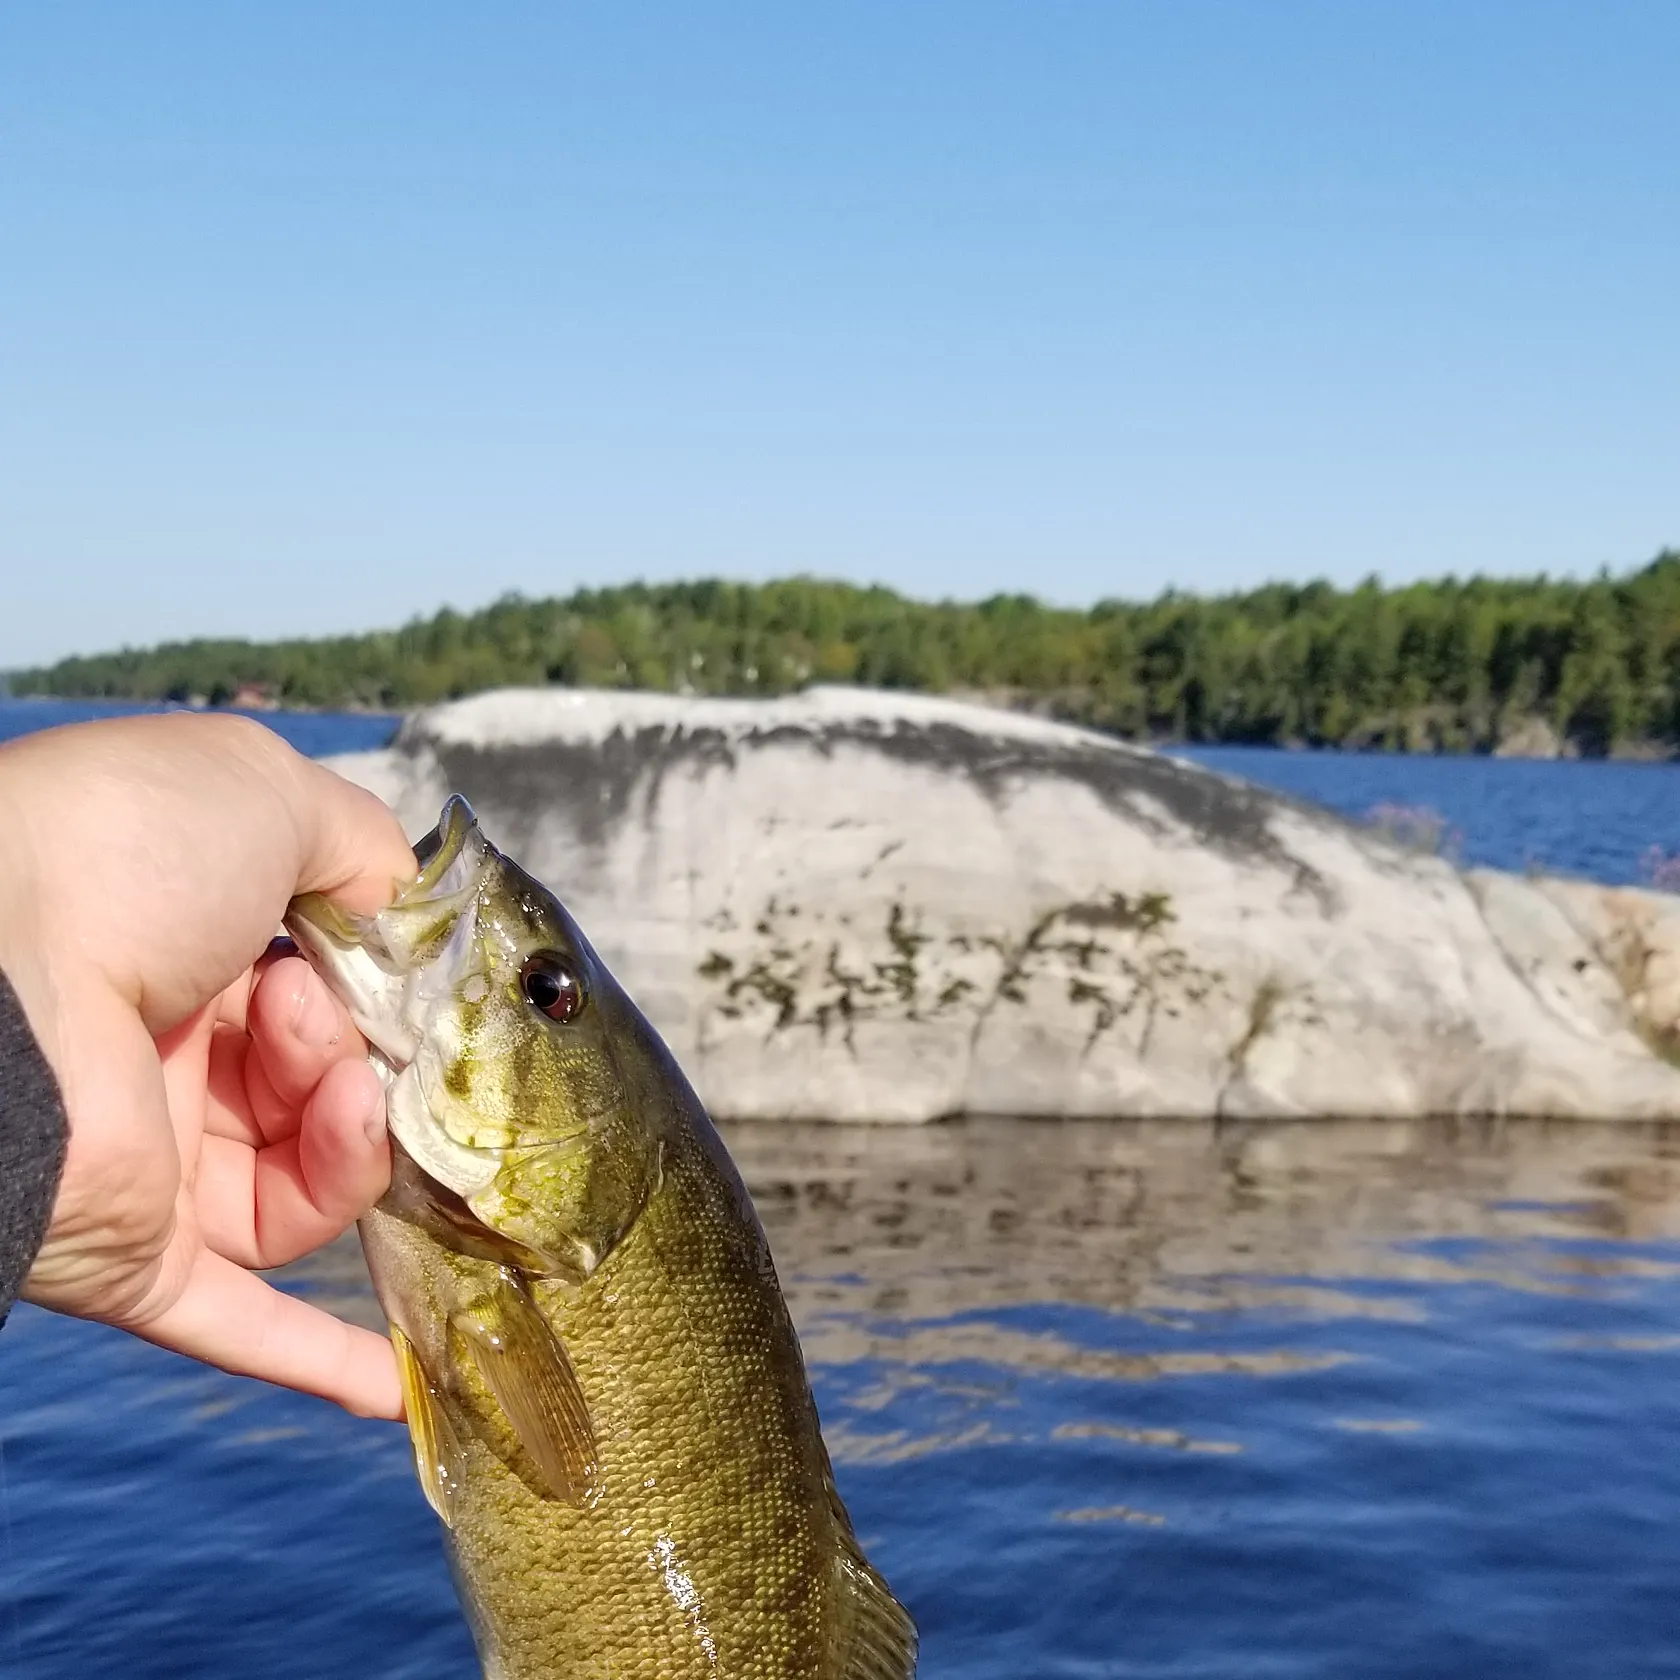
x=1163 y=1217
x=884 y=1234
x=1173 y=1216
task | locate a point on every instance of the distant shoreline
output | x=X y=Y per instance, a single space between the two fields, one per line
x=1625 y=752
x=1517 y=667
x=145 y=703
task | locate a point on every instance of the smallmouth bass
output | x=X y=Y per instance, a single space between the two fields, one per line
x=605 y=1395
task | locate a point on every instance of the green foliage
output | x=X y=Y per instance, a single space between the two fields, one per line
x=1449 y=665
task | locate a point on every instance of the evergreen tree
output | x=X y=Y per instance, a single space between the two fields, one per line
x=1446 y=665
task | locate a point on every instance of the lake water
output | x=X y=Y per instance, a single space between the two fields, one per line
x=316 y=733
x=1593 y=818
x=1160 y=1400
x=1167 y=1400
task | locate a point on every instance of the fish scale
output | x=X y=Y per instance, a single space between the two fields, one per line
x=607 y=1398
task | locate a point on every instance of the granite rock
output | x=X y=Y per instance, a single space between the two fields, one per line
x=862 y=906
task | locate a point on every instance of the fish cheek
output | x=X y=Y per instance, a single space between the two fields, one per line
x=584 y=1166
x=479 y=1110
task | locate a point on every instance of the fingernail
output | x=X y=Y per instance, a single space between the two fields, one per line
x=373 y=1117
x=314 y=1020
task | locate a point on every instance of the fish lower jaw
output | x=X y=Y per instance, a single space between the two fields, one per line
x=387 y=1069
x=454 y=1165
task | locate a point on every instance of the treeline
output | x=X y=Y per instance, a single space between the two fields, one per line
x=1444 y=665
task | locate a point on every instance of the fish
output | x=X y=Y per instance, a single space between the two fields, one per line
x=605 y=1394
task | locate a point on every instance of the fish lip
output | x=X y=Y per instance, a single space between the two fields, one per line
x=436 y=851
x=331 y=942
x=392 y=968
x=363 y=959
x=326 y=935
x=320 y=927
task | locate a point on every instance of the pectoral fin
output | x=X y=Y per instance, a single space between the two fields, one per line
x=437 y=1453
x=526 y=1369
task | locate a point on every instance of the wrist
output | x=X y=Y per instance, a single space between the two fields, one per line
x=26 y=938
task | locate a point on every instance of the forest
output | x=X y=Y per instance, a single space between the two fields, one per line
x=1588 y=666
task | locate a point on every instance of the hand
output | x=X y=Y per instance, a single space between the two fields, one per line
x=222 y=1114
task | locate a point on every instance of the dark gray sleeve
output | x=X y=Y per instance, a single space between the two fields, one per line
x=32 y=1134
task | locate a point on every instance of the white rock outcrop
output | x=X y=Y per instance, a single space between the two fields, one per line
x=858 y=906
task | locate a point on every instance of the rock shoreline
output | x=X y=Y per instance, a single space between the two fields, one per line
x=855 y=905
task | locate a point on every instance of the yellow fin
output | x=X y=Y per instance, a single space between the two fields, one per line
x=526 y=1369
x=437 y=1453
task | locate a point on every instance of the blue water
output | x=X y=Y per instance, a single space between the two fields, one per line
x=1122 y=1400
x=316 y=733
x=1196 y=1402
x=1593 y=818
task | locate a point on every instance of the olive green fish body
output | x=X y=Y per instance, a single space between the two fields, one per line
x=605 y=1391
x=713 y=1542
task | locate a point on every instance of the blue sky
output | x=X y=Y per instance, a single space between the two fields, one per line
x=315 y=317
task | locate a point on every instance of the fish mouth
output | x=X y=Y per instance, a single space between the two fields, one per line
x=369 y=960
x=436 y=852
x=396 y=971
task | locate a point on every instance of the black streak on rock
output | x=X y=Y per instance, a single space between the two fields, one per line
x=594 y=784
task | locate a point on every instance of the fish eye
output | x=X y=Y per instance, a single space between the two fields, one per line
x=551 y=985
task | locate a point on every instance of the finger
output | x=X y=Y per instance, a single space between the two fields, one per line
x=228 y=1107
x=354 y=849
x=230 y=1318
x=343 y=1147
x=298 y=1030
x=268 y=1206
x=233 y=1006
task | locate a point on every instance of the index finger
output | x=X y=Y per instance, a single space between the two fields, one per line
x=299 y=1029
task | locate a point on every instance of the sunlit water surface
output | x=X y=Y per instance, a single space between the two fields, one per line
x=1139 y=1399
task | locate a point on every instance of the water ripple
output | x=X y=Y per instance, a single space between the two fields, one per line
x=1151 y=1399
